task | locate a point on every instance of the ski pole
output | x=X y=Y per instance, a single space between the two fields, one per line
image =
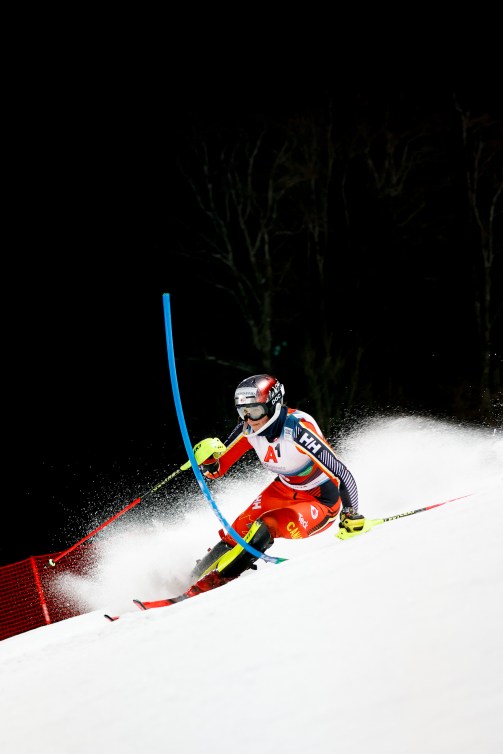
x=52 y=562
x=371 y=522
x=202 y=451
x=419 y=510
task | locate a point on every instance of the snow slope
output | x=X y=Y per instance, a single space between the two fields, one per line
x=387 y=643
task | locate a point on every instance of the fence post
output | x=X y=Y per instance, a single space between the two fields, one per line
x=41 y=596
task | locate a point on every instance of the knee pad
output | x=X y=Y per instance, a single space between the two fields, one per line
x=236 y=561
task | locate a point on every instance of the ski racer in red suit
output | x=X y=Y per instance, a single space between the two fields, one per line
x=311 y=486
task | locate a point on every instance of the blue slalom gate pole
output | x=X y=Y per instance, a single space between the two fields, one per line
x=188 y=445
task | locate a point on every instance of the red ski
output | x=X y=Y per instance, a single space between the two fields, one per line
x=210 y=581
x=149 y=605
x=159 y=603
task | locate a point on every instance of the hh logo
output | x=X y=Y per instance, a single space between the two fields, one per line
x=257 y=503
x=309 y=442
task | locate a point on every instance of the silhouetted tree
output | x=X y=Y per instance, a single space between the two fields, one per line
x=240 y=187
x=483 y=150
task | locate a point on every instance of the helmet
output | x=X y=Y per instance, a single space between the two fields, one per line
x=259 y=396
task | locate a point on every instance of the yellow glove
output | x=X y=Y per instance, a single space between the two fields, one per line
x=212 y=447
x=350 y=521
x=211 y=464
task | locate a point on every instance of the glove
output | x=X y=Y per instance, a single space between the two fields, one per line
x=350 y=521
x=211 y=464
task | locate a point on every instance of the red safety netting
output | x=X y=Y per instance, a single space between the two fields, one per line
x=29 y=592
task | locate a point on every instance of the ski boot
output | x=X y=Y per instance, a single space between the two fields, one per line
x=230 y=561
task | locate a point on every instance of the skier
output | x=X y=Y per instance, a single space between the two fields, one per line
x=311 y=486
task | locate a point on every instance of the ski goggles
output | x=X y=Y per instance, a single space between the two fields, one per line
x=253 y=411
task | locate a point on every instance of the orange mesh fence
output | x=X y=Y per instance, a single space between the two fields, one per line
x=29 y=594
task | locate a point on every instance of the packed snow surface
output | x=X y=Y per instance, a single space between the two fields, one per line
x=388 y=643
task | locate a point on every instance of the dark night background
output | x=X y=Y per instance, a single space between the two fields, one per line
x=103 y=224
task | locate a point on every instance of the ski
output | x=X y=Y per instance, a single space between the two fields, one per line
x=149 y=605
x=158 y=603
x=209 y=581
